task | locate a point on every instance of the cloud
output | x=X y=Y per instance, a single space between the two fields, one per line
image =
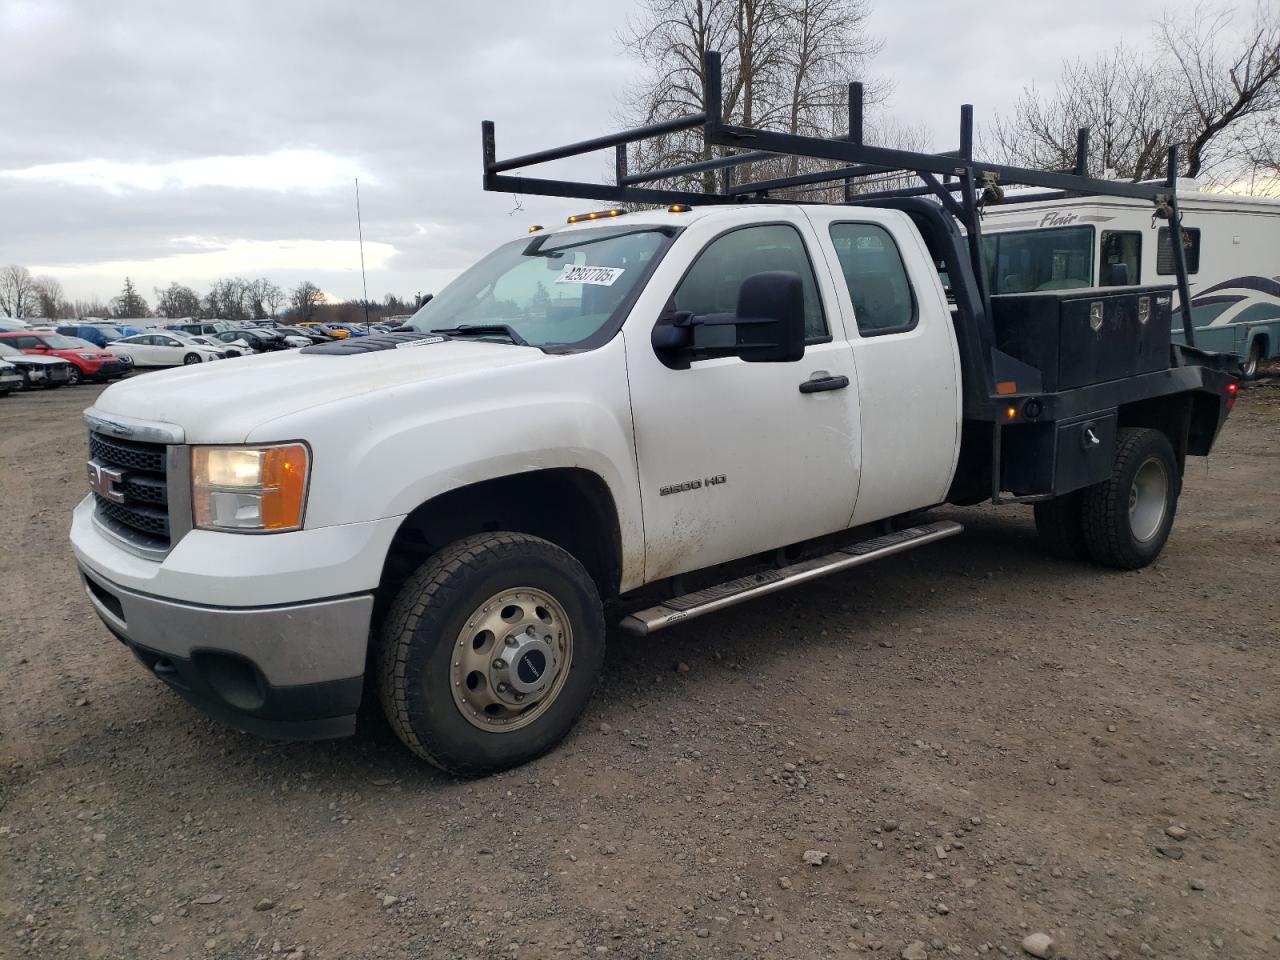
x=281 y=170
x=215 y=258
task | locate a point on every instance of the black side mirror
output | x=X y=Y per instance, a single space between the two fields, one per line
x=768 y=324
x=770 y=318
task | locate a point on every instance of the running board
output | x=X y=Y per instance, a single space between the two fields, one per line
x=690 y=605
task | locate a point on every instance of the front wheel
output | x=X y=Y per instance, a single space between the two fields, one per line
x=74 y=378
x=1128 y=517
x=490 y=652
x=190 y=358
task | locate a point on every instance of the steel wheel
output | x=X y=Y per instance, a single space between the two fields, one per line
x=511 y=659
x=1148 y=499
x=1251 y=363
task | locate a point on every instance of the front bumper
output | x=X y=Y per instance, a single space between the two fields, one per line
x=291 y=672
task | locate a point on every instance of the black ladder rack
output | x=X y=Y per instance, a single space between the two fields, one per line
x=961 y=183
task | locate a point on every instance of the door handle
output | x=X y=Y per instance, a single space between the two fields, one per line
x=819 y=384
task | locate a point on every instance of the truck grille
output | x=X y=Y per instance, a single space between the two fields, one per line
x=136 y=506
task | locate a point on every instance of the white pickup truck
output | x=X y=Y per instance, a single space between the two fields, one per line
x=639 y=417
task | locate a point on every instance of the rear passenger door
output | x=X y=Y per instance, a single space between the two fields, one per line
x=905 y=352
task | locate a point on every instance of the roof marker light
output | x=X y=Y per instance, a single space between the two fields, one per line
x=535 y=228
x=679 y=208
x=596 y=215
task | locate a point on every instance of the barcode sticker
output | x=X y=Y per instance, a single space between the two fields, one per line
x=599 y=276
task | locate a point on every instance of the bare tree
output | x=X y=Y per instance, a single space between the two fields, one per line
x=1225 y=82
x=1204 y=88
x=51 y=302
x=306 y=299
x=177 y=300
x=17 y=291
x=785 y=64
x=272 y=297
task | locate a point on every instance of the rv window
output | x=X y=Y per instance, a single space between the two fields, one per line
x=1030 y=260
x=1121 y=249
x=1164 y=250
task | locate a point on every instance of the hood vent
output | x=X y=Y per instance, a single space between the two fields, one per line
x=372 y=344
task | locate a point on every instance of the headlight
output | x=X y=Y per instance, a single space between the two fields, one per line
x=248 y=489
x=88 y=356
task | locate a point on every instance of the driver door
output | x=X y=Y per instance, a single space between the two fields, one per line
x=736 y=458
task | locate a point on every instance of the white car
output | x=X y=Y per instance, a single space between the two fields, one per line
x=162 y=349
x=10 y=378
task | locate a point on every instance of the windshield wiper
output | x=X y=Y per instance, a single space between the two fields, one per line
x=483 y=329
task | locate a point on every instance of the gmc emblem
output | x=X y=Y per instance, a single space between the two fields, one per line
x=103 y=480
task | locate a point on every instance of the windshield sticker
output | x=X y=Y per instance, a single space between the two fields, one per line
x=599 y=276
x=420 y=343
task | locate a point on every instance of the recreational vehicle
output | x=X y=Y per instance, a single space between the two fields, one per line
x=1232 y=249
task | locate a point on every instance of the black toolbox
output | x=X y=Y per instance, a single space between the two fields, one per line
x=1080 y=337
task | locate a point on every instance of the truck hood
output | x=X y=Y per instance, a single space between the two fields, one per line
x=223 y=402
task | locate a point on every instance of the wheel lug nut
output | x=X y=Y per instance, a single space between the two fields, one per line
x=512 y=641
x=519 y=697
x=502 y=688
x=499 y=664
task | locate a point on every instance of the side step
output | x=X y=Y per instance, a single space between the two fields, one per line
x=690 y=605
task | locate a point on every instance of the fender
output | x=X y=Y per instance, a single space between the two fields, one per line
x=382 y=454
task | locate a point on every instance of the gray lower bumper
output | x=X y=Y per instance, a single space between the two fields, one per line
x=292 y=671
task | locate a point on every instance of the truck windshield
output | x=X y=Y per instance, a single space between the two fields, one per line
x=553 y=290
x=1053 y=259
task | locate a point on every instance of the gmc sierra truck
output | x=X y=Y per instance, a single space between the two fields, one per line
x=636 y=418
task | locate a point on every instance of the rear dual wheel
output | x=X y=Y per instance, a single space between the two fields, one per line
x=490 y=652
x=1124 y=521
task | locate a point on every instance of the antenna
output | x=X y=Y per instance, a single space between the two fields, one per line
x=363 y=278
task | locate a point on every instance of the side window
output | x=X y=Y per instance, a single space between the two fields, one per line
x=26 y=343
x=1121 y=258
x=1190 y=246
x=883 y=301
x=711 y=285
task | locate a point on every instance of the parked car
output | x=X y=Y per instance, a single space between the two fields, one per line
x=329 y=330
x=9 y=324
x=236 y=340
x=263 y=340
x=37 y=371
x=313 y=335
x=10 y=378
x=97 y=334
x=290 y=339
x=217 y=346
x=163 y=349
x=202 y=328
x=88 y=362
x=352 y=329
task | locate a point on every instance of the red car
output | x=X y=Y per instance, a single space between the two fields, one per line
x=88 y=362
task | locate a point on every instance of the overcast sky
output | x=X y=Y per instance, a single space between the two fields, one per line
x=189 y=141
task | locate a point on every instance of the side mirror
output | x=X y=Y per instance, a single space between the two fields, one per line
x=770 y=318
x=768 y=324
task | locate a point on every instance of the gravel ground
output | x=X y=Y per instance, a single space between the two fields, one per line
x=973 y=743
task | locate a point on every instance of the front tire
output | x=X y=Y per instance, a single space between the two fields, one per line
x=190 y=358
x=1128 y=517
x=490 y=653
x=74 y=379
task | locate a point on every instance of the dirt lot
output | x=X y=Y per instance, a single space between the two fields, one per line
x=986 y=743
